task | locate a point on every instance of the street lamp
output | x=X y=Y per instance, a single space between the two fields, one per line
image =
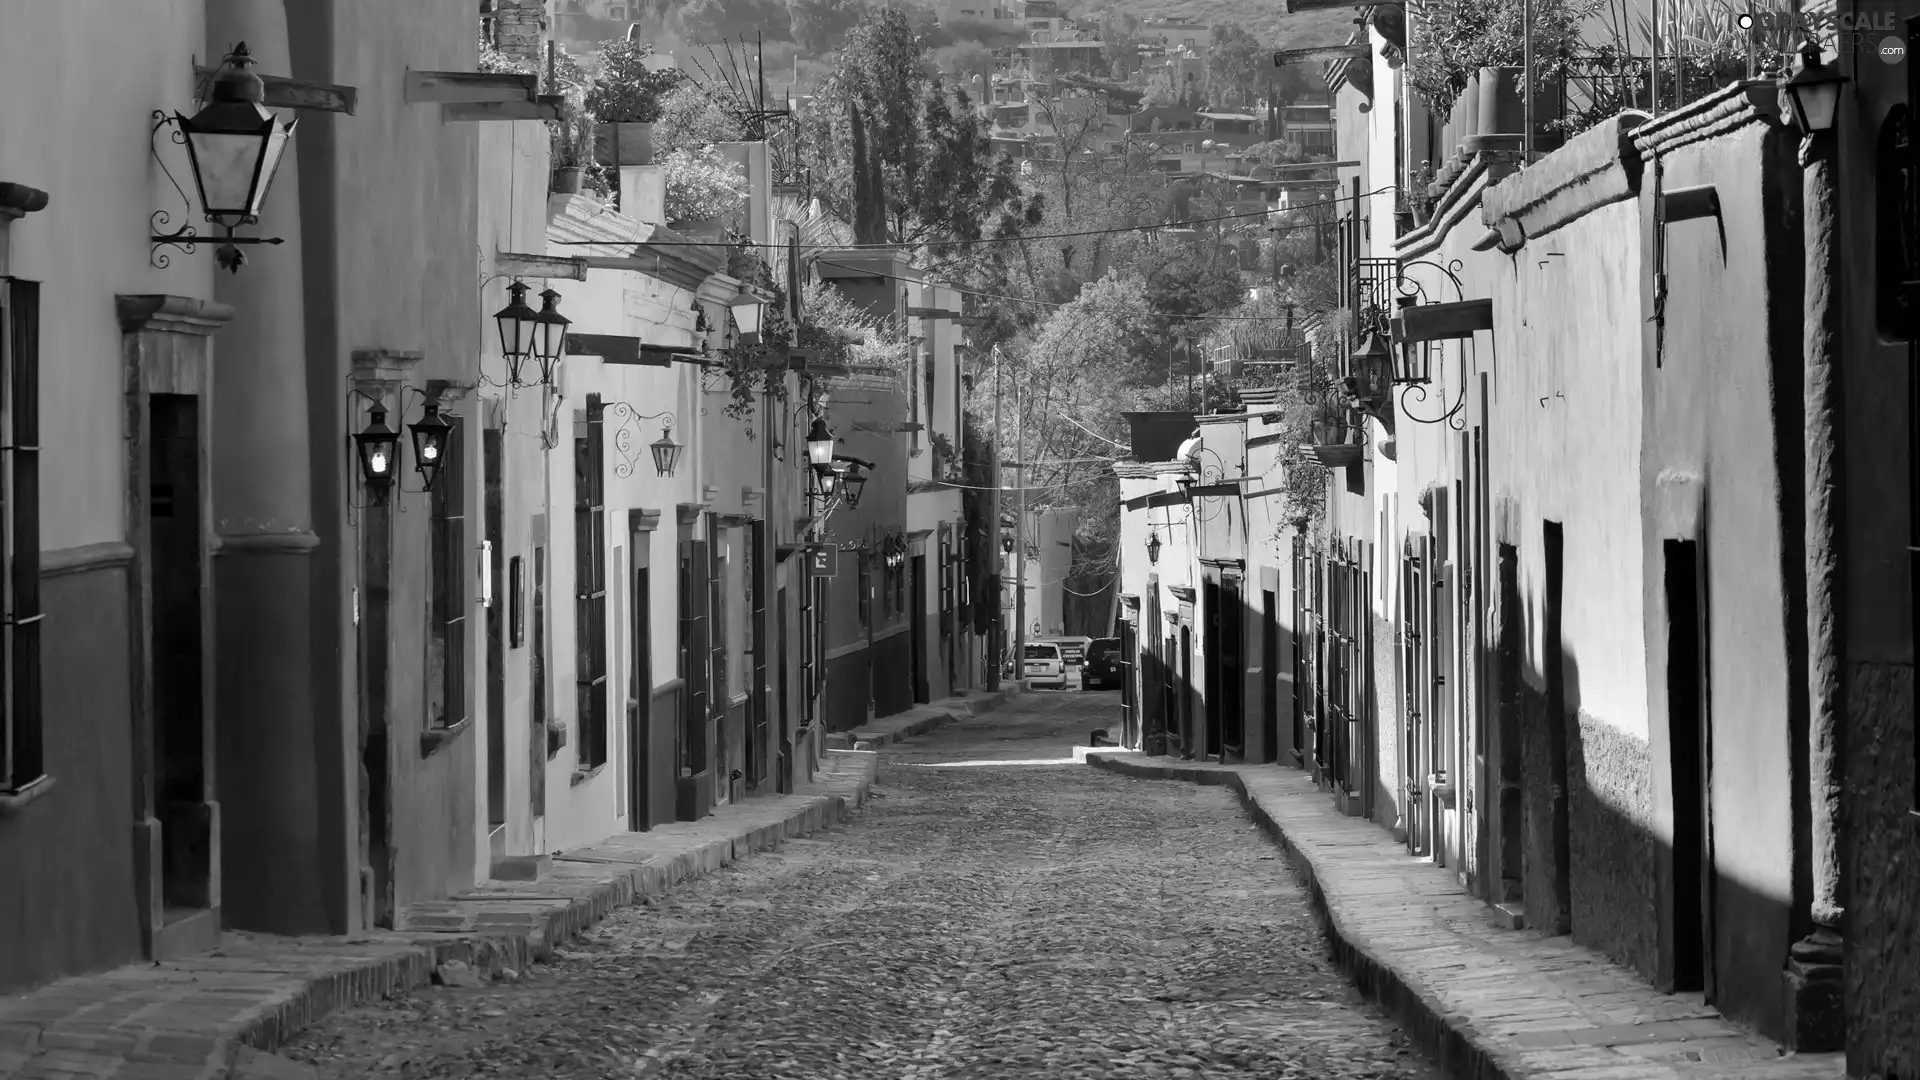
x=519 y=326
x=377 y=444
x=1813 y=93
x=852 y=483
x=1153 y=546
x=1371 y=368
x=820 y=445
x=234 y=146
x=551 y=342
x=1006 y=545
x=746 y=316
x=429 y=443
x=666 y=452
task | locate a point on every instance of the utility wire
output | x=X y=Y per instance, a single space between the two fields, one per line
x=993 y=239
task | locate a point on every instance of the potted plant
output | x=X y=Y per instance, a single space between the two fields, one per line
x=572 y=149
x=702 y=188
x=625 y=97
x=1419 y=194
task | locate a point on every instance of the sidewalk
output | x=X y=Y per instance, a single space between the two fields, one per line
x=1485 y=1001
x=919 y=720
x=190 y=1019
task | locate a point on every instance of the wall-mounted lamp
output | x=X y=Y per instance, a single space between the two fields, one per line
x=1813 y=93
x=852 y=482
x=746 y=317
x=234 y=146
x=1006 y=545
x=666 y=452
x=820 y=445
x=429 y=443
x=519 y=331
x=378 y=446
x=552 y=338
x=1153 y=545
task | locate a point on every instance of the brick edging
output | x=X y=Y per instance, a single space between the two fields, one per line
x=488 y=953
x=1448 y=1039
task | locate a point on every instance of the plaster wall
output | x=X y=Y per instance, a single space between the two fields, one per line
x=1723 y=466
x=1563 y=432
x=70 y=887
x=1882 y=782
x=514 y=164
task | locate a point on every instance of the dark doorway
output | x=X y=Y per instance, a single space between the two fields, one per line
x=376 y=572
x=640 y=685
x=541 y=741
x=784 y=764
x=491 y=453
x=1213 y=639
x=1269 y=676
x=1556 y=908
x=1186 y=691
x=1511 y=872
x=1689 y=741
x=176 y=541
x=757 y=737
x=917 y=629
x=1232 y=668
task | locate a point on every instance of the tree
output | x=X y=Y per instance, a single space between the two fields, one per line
x=1237 y=66
x=819 y=25
x=625 y=90
x=939 y=175
x=690 y=118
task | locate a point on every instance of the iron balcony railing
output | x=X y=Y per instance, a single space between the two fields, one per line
x=1370 y=292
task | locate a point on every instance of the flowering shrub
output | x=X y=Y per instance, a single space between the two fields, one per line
x=702 y=185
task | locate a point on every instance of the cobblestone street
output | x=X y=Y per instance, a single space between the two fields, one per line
x=1036 y=918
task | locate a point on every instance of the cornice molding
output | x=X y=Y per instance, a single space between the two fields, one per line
x=1596 y=168
x=166 y=314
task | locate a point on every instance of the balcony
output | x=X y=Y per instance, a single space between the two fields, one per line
x=1370 y=292
x=1335 y=440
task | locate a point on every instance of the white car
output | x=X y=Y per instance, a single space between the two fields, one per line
x=1044 y=666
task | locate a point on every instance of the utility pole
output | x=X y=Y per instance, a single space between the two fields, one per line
x=1020 y=538
x=998 y=645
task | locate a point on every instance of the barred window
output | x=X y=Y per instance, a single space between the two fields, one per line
x=447 y=634
x=590 y=584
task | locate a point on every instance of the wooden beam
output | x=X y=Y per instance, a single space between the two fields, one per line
x=469 y=86
x=931 y=313
x=285 y=93
x=1439 y=322
x=540 y=266
x=1325 y=54
x=619 y=349
x=475 y=111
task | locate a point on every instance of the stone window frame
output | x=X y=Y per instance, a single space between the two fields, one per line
x=23 y=750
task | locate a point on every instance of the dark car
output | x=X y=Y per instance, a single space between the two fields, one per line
x=1103 y=668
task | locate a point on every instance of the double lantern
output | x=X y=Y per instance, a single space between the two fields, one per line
x=526 y=334
x=379 y=446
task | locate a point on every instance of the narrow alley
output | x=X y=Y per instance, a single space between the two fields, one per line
x=998 y=911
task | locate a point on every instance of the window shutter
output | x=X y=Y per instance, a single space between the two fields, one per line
x=20 y=536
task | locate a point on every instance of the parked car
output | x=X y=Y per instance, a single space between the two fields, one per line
x=1103 y=668
x=1044 y=666
x=1073 y=649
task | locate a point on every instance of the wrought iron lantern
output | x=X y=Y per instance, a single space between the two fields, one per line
x=829 y=478
x=551 y=342
x=430 y=434
x=1006 y=545
x=746 y=317
x=820 y=445
x=519 y=331
x=666 y=452
x=1370 y=373
x=378 y=445
x=1153 y=546
x=1813 y=93
x=852 y=482
x=235 y=144
x=234 y=147
x=1411 y=364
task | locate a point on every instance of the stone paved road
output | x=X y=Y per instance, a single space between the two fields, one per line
x=979 y=920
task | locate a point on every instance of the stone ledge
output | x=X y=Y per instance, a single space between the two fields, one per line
x=1596 y=168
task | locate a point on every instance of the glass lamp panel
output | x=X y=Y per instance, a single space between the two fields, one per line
x=224 y=165
x=747 y=317
x=276 y=148
x=552 y=333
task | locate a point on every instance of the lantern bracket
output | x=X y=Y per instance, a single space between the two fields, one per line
x=628 y=435
x=1458 y=320
x=186 y=238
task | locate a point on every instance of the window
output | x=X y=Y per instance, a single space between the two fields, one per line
x=447 y=633
x=717 y=608
x=22 y=752
x=946 y=582
x=590 y=583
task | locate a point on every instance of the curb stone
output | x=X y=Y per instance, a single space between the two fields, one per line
x=1601 y=1021
x=919 y=720
x=219 y=1015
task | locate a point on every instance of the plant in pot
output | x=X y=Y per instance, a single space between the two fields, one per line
x=571 y=144
x=1419 y=198
x=702 y=188
x=625 y=97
